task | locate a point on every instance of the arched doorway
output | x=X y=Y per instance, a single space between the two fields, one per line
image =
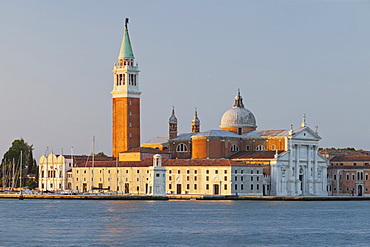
x=359 y=190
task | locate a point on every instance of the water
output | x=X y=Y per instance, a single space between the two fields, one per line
x=184 y=223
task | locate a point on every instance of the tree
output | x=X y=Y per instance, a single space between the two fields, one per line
x=11 y=162
x=101 y=154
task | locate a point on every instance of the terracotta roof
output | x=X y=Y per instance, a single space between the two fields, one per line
x=343 y=158
x=336 y=152
x=86 y=157
x=146 y=150
x=204 y=162
x=167 y=163
x=267 y=154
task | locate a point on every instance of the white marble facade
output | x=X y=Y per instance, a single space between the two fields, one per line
x=301 y=170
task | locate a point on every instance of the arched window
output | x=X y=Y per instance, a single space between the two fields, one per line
x=247 y=148
x=181 y=148
x=260 y=147
x=273 y=147
x=234 y=148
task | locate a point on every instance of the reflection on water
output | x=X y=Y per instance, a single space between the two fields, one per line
x=183 y=223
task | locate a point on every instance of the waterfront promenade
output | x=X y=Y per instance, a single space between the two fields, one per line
x=183 y=197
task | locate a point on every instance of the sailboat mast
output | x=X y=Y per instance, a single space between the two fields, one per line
x=13 y=175
x=20 y=171
x=93 y=155
x=3 y=173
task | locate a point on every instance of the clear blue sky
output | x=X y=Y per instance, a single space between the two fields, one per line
x=289 y=58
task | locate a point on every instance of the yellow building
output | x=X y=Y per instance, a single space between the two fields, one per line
x=177 y=176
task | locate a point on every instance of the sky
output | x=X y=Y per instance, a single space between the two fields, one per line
x=288 y=58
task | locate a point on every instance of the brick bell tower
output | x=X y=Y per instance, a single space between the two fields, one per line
x=125 y=99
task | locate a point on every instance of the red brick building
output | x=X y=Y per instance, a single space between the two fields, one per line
x=348 y=172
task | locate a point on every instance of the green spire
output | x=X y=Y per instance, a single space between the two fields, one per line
x=126 y=49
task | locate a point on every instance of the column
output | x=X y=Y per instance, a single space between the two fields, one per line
x=297 y=183
x=309 y=167
x=314 y=169
x=290 y=179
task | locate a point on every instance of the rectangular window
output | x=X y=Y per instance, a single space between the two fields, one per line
x=138 y=171
x=236 y=178
x=251 y=171
x=251 y=186
x=341 y=164
x=225 y=178
x=207 y=186
x=225 y=186
x=207 y=171
x=241 y=178
x=236 y=171
x=258 y=186
x=334 y=177
x=225 y=171
x=170 y=178
x=216 y=171
x=170 y=171
x=354 y=164
x=187 y=178
x=188 y=186
x=178 y=172
x=236 y=187
x=242 y=171
x=170 y=186
x=187 y=171
x=195 y=178
x=353 y=177
x=241 y=187
x=195 y=186
x=195 y=171
x=340 y=177
x=347 y=177
x=251 y=178
x=207 y=178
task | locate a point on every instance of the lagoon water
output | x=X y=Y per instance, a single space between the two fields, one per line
x=184 y=223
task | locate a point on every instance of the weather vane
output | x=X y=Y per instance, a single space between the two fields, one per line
x=126 y=22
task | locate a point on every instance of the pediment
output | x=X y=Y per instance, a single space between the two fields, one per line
x=306 y=134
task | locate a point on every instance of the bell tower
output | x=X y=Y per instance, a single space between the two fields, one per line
x=172 y=124
x=125 y=99
x=195 y=123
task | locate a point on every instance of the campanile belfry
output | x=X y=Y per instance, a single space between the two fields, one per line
x=125 y=99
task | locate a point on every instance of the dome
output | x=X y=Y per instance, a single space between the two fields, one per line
x=238 y=116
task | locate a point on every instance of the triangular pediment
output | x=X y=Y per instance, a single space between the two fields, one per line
x=306 y=134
